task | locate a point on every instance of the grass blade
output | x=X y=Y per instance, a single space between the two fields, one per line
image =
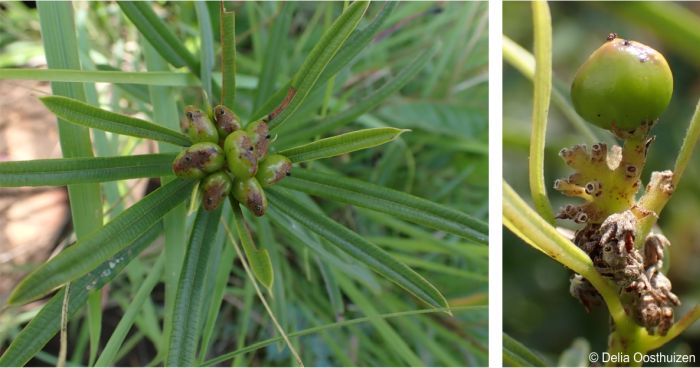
x=81 y=113
x=103 y=244
x=228 y=58
x=184 y=337
x=392 y=339
x=158 y=35
x=342 y=144
x=345 y=323
x=108 y=356
x=515 y=354
x=46 y=324
x=305 y=79
x=392 y=202
x=65 y=171
x=358 y=247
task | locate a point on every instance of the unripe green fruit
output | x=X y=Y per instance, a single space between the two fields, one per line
x=215 y=188
x=199 y=127
x=227 y=121
x=622 y=85
x=240 y=155
x=198 y=159
x=250 y=194
x=260 y=135
x=273 y=169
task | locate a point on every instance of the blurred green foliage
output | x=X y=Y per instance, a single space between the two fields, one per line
x=538 y=309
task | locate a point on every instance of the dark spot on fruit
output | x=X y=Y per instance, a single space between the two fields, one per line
x=626 y=43
x=612 y=36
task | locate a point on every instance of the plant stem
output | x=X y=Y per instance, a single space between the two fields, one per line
x=542 y=25
x=522 y=220
x=686 y=151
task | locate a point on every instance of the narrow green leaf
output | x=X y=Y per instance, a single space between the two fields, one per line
x=273 y=53
x=395 y=343
x=342 y=144
x=542 y=28
x=102 y=244
x=184 y=337
x=221 y=278
x=65 y=171
x=307 y=76
x=206 y=63
x=516 y=354
x=165 y=110
x=228 y=58
x=81 y=113
x=61 y=49
x=108 y=356
x=259 y=259
x=106 y=74
x=137 y=91
x=344 y=323
x=358 y=247
x=357 y=42
x=392 y=202
x=366 y=104
x=45 y=325
x=158 y=34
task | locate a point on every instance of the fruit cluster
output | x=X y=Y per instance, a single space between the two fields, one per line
x=624 y=86
x=241 y=168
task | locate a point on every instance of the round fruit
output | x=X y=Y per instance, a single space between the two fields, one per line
x=273 y=169
x=199 y=127
x=240 y=155
x=260 y=135
x=622 y=85
x=198 y=159
x=227 y=121
x=249 y=193
x=215 y=189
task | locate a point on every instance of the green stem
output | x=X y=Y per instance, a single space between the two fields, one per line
x=542 y=25
x=537 y=232
x=686 y=151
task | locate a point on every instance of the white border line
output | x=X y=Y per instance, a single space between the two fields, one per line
x=495 y=184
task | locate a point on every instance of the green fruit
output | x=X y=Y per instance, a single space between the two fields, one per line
x=198 y=159
x=227 y=121
x=249 y=193
x=199 y=127
x=273 y=169
x=215 y=188
x=622 y=85
x=260 y=135
x=240 y=155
